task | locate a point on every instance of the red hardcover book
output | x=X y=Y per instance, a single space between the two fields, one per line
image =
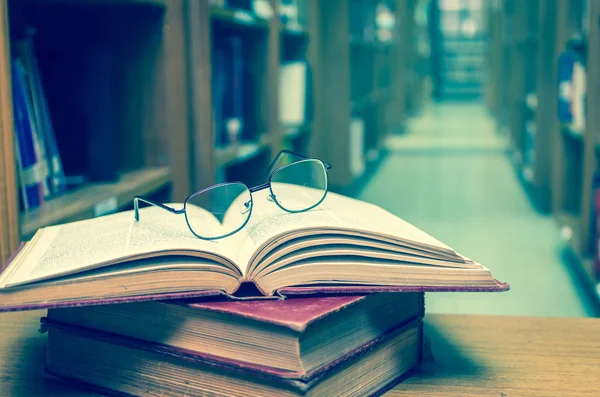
x=343 y=246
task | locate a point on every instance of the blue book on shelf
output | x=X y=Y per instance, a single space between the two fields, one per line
x=29 y=170
x=57 y=177
x=529 y=143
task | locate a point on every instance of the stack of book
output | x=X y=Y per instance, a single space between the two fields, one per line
x=326 y=302
x=325 y=346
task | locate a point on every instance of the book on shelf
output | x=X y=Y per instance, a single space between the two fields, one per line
x=34 y=121
x=385 y=22
x=30 y=169
x=295 y=96
x=296 y=338
x=357 y=146
x=565 y=72
x=578 y=97
x=341 y=246
x=57 y=180
x=39 y=165
x=112 y=363
x=86 y=95
x=572 y=86
x=228 y=86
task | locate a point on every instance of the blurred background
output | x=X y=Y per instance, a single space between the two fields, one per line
x=475 y=120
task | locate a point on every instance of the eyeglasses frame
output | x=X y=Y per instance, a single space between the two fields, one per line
x=272 y=170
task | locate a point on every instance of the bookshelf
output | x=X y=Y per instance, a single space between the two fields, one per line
x=552 y=114
x=141 y=124
x=568 y=149
x=522 y=89
x=164 y=135
x=375 y=102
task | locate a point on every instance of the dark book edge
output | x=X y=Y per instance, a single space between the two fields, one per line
x=112 y=393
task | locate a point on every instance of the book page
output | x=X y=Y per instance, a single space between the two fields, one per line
x=269 y=220
x=336 y=211
x=79 y=246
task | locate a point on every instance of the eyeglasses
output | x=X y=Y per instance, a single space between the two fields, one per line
x=221 y=210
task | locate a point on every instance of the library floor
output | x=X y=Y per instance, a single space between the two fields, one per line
x=449 y=174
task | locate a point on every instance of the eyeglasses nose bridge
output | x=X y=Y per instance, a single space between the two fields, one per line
x=247 y=207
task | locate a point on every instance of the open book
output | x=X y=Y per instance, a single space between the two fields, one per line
x=343 y=245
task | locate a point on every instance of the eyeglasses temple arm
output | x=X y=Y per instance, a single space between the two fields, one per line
x=289 y=152
x=136 y=207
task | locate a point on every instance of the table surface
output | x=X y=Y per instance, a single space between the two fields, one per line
x=471 y=356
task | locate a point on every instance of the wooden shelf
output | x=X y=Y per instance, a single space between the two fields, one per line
x=237 y=18
x=240 y=152
x=94 y=199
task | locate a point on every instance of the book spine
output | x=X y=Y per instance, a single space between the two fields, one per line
x=33 y=109
x=30 y=169
x=565 y=87
x=578 y=97
x=57 y=177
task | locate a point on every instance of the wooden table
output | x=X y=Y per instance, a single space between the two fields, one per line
x=473 y=356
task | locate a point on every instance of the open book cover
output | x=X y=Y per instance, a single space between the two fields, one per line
x=341 y=246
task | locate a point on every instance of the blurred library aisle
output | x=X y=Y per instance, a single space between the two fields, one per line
x=450 y=175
